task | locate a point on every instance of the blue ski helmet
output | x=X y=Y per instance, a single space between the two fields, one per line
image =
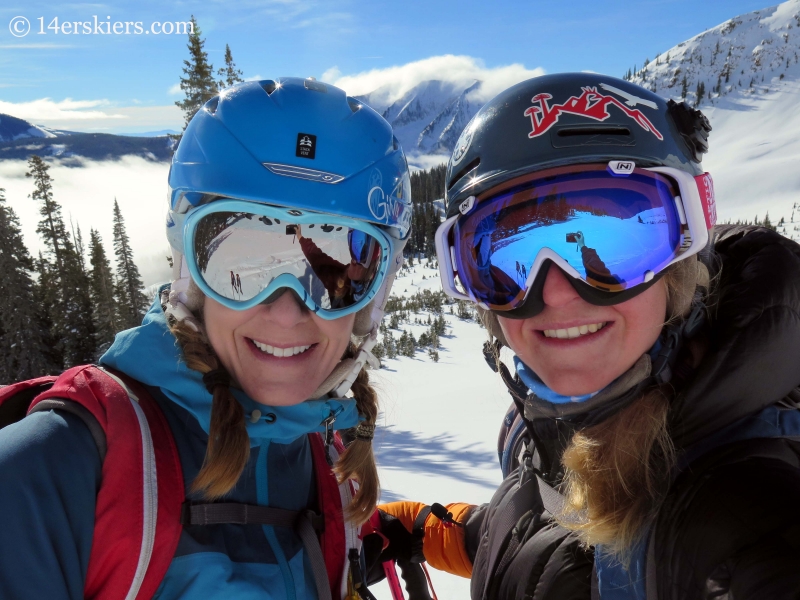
x=295 y=143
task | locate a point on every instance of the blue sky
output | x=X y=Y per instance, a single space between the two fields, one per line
x=119 y=83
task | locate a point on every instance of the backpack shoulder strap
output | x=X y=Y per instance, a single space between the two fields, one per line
x=137 y=517
x=332 y=500
x=17 y=397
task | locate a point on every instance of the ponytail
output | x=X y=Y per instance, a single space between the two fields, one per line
x=358 y=460
x=228 y=443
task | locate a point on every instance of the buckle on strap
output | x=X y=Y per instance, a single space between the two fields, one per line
x=235 y=513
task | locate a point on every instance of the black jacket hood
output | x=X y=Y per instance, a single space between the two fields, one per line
x=753 y=356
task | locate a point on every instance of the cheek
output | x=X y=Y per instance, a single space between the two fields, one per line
x=644 y=318
x=220 y=323
x=338 y=333
x=512 y=330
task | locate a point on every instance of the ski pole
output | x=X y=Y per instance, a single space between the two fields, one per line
x=393 y=581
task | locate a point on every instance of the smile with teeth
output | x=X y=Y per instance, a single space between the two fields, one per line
x=573 y=332
x=280 y=352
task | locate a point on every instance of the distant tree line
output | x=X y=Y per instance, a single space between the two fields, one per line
x=786 y=228
x=426 y=187
x=57 y=311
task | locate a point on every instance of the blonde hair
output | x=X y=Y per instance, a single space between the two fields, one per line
x=229 y=444
x=618 y=472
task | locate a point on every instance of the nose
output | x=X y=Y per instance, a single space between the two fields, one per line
x=557 y=289
x=287 y=310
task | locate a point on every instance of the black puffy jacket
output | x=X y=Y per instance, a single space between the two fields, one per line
x=729 y=528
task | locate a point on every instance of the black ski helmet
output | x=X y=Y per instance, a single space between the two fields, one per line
x=572 y=118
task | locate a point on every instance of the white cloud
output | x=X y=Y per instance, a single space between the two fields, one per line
x=459 y=70
x=45 y=110
x=83 y=115
x=174 y=90
x=87 y=196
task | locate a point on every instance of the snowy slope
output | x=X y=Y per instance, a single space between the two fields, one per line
x=749 y=70
x=437 y=437
x=12 y=128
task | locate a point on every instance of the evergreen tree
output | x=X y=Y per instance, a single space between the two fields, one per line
x=131 y=301
x=24 y=350
x=106 y=320
x=701 y=91
x=230 y=74
x=198 y=81
x=46 y=297
x=76 y=306
x=71 y=309
x=51 y=227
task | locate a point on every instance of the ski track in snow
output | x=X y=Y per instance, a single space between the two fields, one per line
x=437 y=435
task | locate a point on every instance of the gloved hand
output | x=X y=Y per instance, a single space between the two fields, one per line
x=386 y=538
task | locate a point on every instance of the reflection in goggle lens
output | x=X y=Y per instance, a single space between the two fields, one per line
x=613 y=231
x=239 y=254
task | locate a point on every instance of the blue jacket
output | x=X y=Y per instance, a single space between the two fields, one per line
x=50 y=473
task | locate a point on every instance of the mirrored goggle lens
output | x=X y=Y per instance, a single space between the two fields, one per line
x=239 y=254
x=362 y=246
x=612 y=230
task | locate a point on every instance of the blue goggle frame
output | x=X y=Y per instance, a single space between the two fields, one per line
x=285 y=280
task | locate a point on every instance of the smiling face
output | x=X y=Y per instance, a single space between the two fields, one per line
x=578 y=348
x=278 y=353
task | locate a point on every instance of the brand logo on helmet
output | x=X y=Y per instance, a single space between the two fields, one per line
x=392 y=209
x=705 y=185
x=463 y=143
x=466 y=205
x=621 y=167
x=306 y=145
x=590 y=104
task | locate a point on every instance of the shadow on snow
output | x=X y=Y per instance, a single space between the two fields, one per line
x=438 y=455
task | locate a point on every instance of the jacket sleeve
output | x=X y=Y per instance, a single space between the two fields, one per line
x=50 y=473
x=317 y=257
x=444 y=544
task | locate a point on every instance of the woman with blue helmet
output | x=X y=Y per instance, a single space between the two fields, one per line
x=249 y=353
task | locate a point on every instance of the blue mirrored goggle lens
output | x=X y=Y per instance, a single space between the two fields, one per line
x=611 y=230
x=362 y=247
x=239 y=254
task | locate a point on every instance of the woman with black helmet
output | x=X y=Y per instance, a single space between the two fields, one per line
x=657 y=357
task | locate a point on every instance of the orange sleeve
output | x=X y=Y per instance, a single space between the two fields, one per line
x=443 y=544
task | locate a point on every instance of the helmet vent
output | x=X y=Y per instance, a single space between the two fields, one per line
x=570 y=132
x=354 y=104
x=268 y=86
x=463 y=172
x=211 y=105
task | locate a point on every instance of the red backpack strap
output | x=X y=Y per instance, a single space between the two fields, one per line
x=137 y=518
x=332 y=539
x=17 y=397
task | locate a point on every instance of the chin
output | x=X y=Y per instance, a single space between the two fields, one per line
x=569 y=386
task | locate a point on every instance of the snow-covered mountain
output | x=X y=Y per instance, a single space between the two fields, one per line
x=12 y=128
x=745 y=55
x=429 y=117
x=19 y=139
x=748 y=72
